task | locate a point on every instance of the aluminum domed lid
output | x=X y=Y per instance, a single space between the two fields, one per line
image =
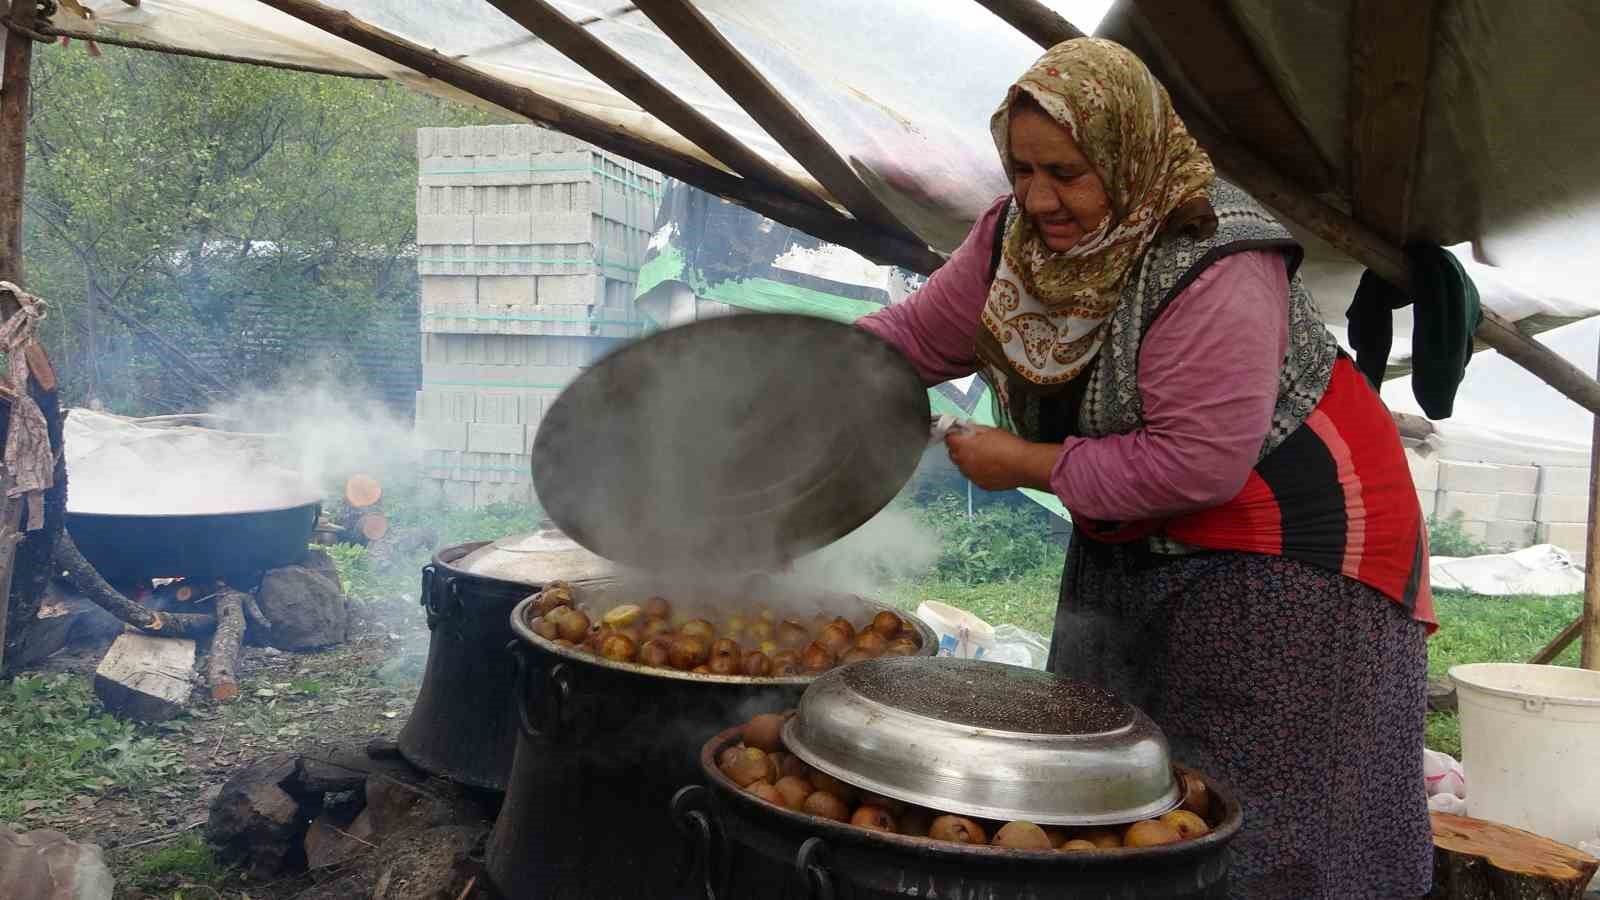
x=986 y=740
x=534 y=559
x=732 y=444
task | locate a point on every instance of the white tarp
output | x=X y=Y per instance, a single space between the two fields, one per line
x=1544 y=571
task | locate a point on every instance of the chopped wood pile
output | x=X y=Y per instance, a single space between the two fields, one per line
x=1479 y=860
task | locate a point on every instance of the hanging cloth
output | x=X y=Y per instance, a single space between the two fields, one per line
x=27 y=452
x=1447 y=312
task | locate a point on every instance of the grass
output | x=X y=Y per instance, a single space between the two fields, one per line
x=183 y=863
x=1028 y=601
x=59 y=743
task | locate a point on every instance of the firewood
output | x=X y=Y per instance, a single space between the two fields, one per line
x=146 y=678
x=222 y=669
x=373 y=526
x=362 y=491
x=1475 y=859
x=82 y=573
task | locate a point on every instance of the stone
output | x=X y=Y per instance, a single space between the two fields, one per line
x=146 y=678
x=47 y=865
x=402 y=804
x=318 y=561
x=1441 y=695
x=255 y=822
x=305 y=608
x=331 y=841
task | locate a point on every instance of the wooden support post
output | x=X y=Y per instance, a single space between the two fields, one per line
x=871 y=242
x=1568 y=634
x=1292 y=200
x=1589 y=655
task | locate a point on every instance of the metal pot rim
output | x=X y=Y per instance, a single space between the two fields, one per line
x=519 y=625
x=1224 y=831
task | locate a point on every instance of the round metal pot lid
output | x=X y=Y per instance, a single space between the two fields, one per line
x=986 y=740
x=535 y=559
x=731 y=444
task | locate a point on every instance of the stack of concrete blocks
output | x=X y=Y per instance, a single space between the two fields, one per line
x=528 y=247
x=1504 y=505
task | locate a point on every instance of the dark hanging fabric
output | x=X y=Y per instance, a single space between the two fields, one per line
x=1447 y=312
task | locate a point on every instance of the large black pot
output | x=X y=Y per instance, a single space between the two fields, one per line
x=743 y=847
x=237 y=547
x=602 y=748
x=463 y=725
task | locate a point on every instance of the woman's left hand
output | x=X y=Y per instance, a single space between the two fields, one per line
x=998 y=460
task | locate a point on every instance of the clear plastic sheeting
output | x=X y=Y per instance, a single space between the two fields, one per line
x=903 y=90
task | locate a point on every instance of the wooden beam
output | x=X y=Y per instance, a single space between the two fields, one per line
x=1267 y=184
x=1037 y=22
x=1559 y=643
x=822 y=223
x=14 y=90
x=694 y=34
x=1207 y=41
x=578 y=44
x=1390 y=48
x=1589 y=656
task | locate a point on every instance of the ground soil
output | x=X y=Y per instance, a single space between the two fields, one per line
x=289 y=701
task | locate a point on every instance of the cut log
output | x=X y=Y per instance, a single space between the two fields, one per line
x=222 y=668
x=1478 y=860
x=146 y=678
x=82 y=573
x=362 y=491
x=373 y=526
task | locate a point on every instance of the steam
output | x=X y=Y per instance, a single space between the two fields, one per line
x=268 y=449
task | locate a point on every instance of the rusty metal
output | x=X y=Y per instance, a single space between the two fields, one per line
x=464 y=724
x=761 y=850
x=588 y=809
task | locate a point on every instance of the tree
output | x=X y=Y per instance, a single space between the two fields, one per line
x=197 y=225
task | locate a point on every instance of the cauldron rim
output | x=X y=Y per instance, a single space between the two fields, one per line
x=981 y=854
x=930 y=642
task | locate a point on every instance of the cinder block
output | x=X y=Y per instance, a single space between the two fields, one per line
x=1571 y=537
x=1563 y=480
x=482 y=438
x=570 y=290
x=1485 y=478
x=449 y=289
x=1516 y=507
x=446 y=406
x=488 y=493
x=444 y=229
x=1478 y=531
x=507 y=290
x=500 y=377
x=1563 y=508
x=502 y=229
x=1511 y=534
x=1474 y=507
x=1424 y=470
x=1428 y=500
x=441 y=435
x=498 y=408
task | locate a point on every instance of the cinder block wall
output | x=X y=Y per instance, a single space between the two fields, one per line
x=529 y=243
x=1507 y=505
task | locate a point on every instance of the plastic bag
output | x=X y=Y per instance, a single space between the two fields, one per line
x=964 y=635
x=1443 y=775
x=1020 y=647
x=1447 y=803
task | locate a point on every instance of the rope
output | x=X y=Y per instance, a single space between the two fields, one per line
x=49 y=34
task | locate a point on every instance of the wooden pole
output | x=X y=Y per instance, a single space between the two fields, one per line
x=17 y=60
x=1589 y=656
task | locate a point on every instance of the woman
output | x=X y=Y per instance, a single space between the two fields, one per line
x=1248 y=557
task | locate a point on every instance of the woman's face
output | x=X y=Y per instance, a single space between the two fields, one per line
x=1053 y=181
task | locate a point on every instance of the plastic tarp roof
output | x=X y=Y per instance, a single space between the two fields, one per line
x=903 y=89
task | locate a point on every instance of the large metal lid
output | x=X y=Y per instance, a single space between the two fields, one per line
x=734 y=444
x=535 y=559
x=985 y=740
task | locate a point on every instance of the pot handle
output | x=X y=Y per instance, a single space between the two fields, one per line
x=701 y=838
x=559 y=693
x=427 y=594
x=811 y=870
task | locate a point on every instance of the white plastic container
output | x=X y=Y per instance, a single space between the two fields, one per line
x=1530 y=741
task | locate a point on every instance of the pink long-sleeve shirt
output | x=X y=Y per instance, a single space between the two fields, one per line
x=1208 y=380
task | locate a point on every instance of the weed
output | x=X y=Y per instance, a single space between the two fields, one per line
x=1448 y=537
x=60 y=742
x=185 y=861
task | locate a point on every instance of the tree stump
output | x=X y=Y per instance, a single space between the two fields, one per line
x=222 y=668
x=1478 y=860
x=146 y=678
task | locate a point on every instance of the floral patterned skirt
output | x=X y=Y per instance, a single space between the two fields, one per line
x=1302 y=690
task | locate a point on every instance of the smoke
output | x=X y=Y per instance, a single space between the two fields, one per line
x=269 y=448
x=892 y=546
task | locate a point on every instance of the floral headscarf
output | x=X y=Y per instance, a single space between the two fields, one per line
x=1046 y=311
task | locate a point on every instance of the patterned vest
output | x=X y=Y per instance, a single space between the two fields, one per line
x=1331 y=485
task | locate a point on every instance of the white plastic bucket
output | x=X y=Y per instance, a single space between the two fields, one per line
x=961 y=634
x=1530 y=742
